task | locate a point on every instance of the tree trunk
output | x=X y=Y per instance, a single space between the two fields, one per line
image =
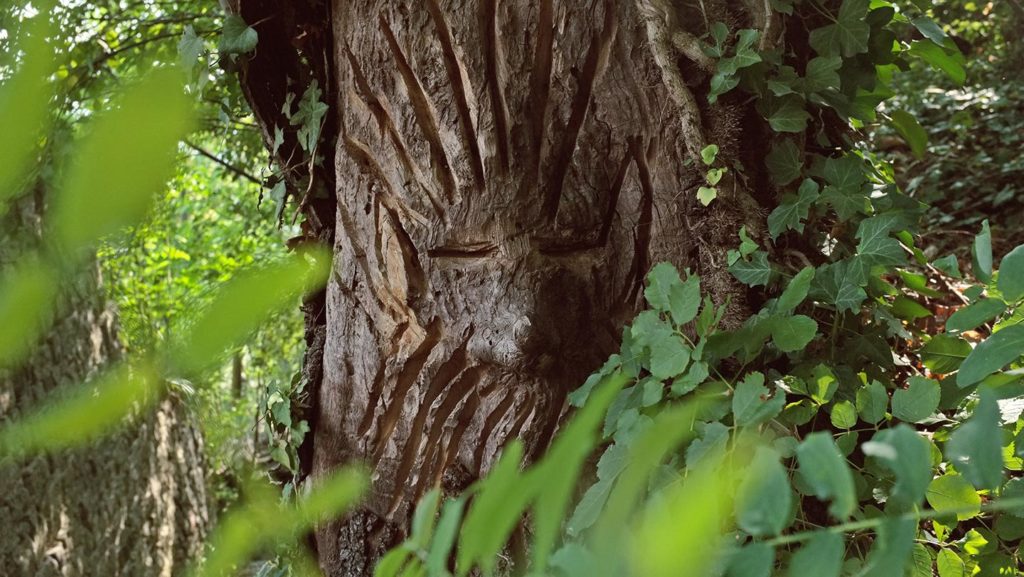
x=500 y=176
x=133 y=504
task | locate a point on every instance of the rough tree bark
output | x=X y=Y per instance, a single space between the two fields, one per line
x=497 y=177
x=133 y=504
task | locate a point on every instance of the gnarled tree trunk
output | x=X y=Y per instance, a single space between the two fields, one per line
x=497 y=178
x=134 y=503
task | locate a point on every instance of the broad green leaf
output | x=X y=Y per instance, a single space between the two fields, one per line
x=944 y=353
x=890 y=553
x=423 y=519
x=872 y=401
x=25 y=105
x=792 y=333
x=765 y=497
x=669 y=356
x=876 y=247
x=848 y=36
x=911 y=131
x=1011 y=275
x=976 y=447
x=712 y=442
x=684 y=300
x=949 y=564
x=823 y=73
x=238 y=37
x=242 y=304
x=310 y=116
x=948 y=265
x=788 y=114
x=840 y=284
x=793 y=210
x=660 y=280
x=751 y=405
x=917 y=402
x=974 y=315
x=796 y=291
x=821 y=556
x=706 y=194
x=947 y=60
x=981 y=253
x=827 y=473
x=27 y=293
x=784 y=162
x=844 y=415
x=494 y=513
x=189 y=48
x=756 y=271
x=1014 y=489
x=103 y=192
x=991 y=355
x=845 y=203
x=752 y=560
x=930 y=29
x=589 y=507
x=907 y=454
x=709 y=153
x=953 y=494
x=921 y=562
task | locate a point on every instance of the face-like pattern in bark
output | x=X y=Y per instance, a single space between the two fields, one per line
x=504 y=180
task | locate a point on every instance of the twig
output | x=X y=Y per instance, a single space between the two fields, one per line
x=223 y=163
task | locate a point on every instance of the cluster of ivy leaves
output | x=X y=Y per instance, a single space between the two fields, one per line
x=852 y=425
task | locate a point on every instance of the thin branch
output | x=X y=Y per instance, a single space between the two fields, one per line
x=689 y=46
x=224 y=163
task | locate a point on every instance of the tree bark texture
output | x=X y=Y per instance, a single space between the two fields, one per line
x=504 y=174
x=133 y=504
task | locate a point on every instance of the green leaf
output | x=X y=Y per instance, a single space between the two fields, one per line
x=238 y=37
x=992 y=354
x=844 y=415
x=784 y=162
x=952 y=493
x=422 y=527
x=1011 y=275
x=981 y=253
x=823 y=73
x=948 y=265
x=950 y=564
x=714 y=175
x=752 y=560
x=876 y=247
x=27 y=293
x=309 y=117
x=821 y=556
x=944 y=353
x=849 y=34
x=660 y=280
x=796 y=291
x=947 y=60
x=976 y=447
x=706 y=194
x=907 y=454
x=98 y=195
x=793 y=210
x=750 y=403
x=669 y=357
x=788 y=115
x=827 y=473
x=1014 y=489
x=872 y=401
x=709 y=153
x=189 y=48
x=756 y=271
x=792 y=333
x=496 y=509
x=918 y=401
x=911 y=131
x=974 y=315
x=840 y=284
x=713 y=440
x=892 y=547
x=684 y=300
x=764 y=499
x=930 y=30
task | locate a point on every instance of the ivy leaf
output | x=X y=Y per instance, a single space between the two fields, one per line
x=709 y=153
x=907 y=454
x=918 y=401
x=948 y=265
x=309 y=117
x=796 y=291
x=822 y=73
x=189 y=48
x=981 y=253
x=784 y=162
x=764 y=500
x=788 y=115
x=911 y=131
x=975 y=315
x=821 y=556
x=845 y=204
x=876 y=247
x=660 y=280
x=976 y=447
x=792 y=333
x=793 y=210
x=238 y=37
x=706 y=194
x=953 y=493
x=826 y=471
x=872 y=401
x=751 y=405
x=992 y=354
x=944 y=353
x=756 y=271
x=840 y=284
x=1011 y=275
x=845 y=177
x=848 y=35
